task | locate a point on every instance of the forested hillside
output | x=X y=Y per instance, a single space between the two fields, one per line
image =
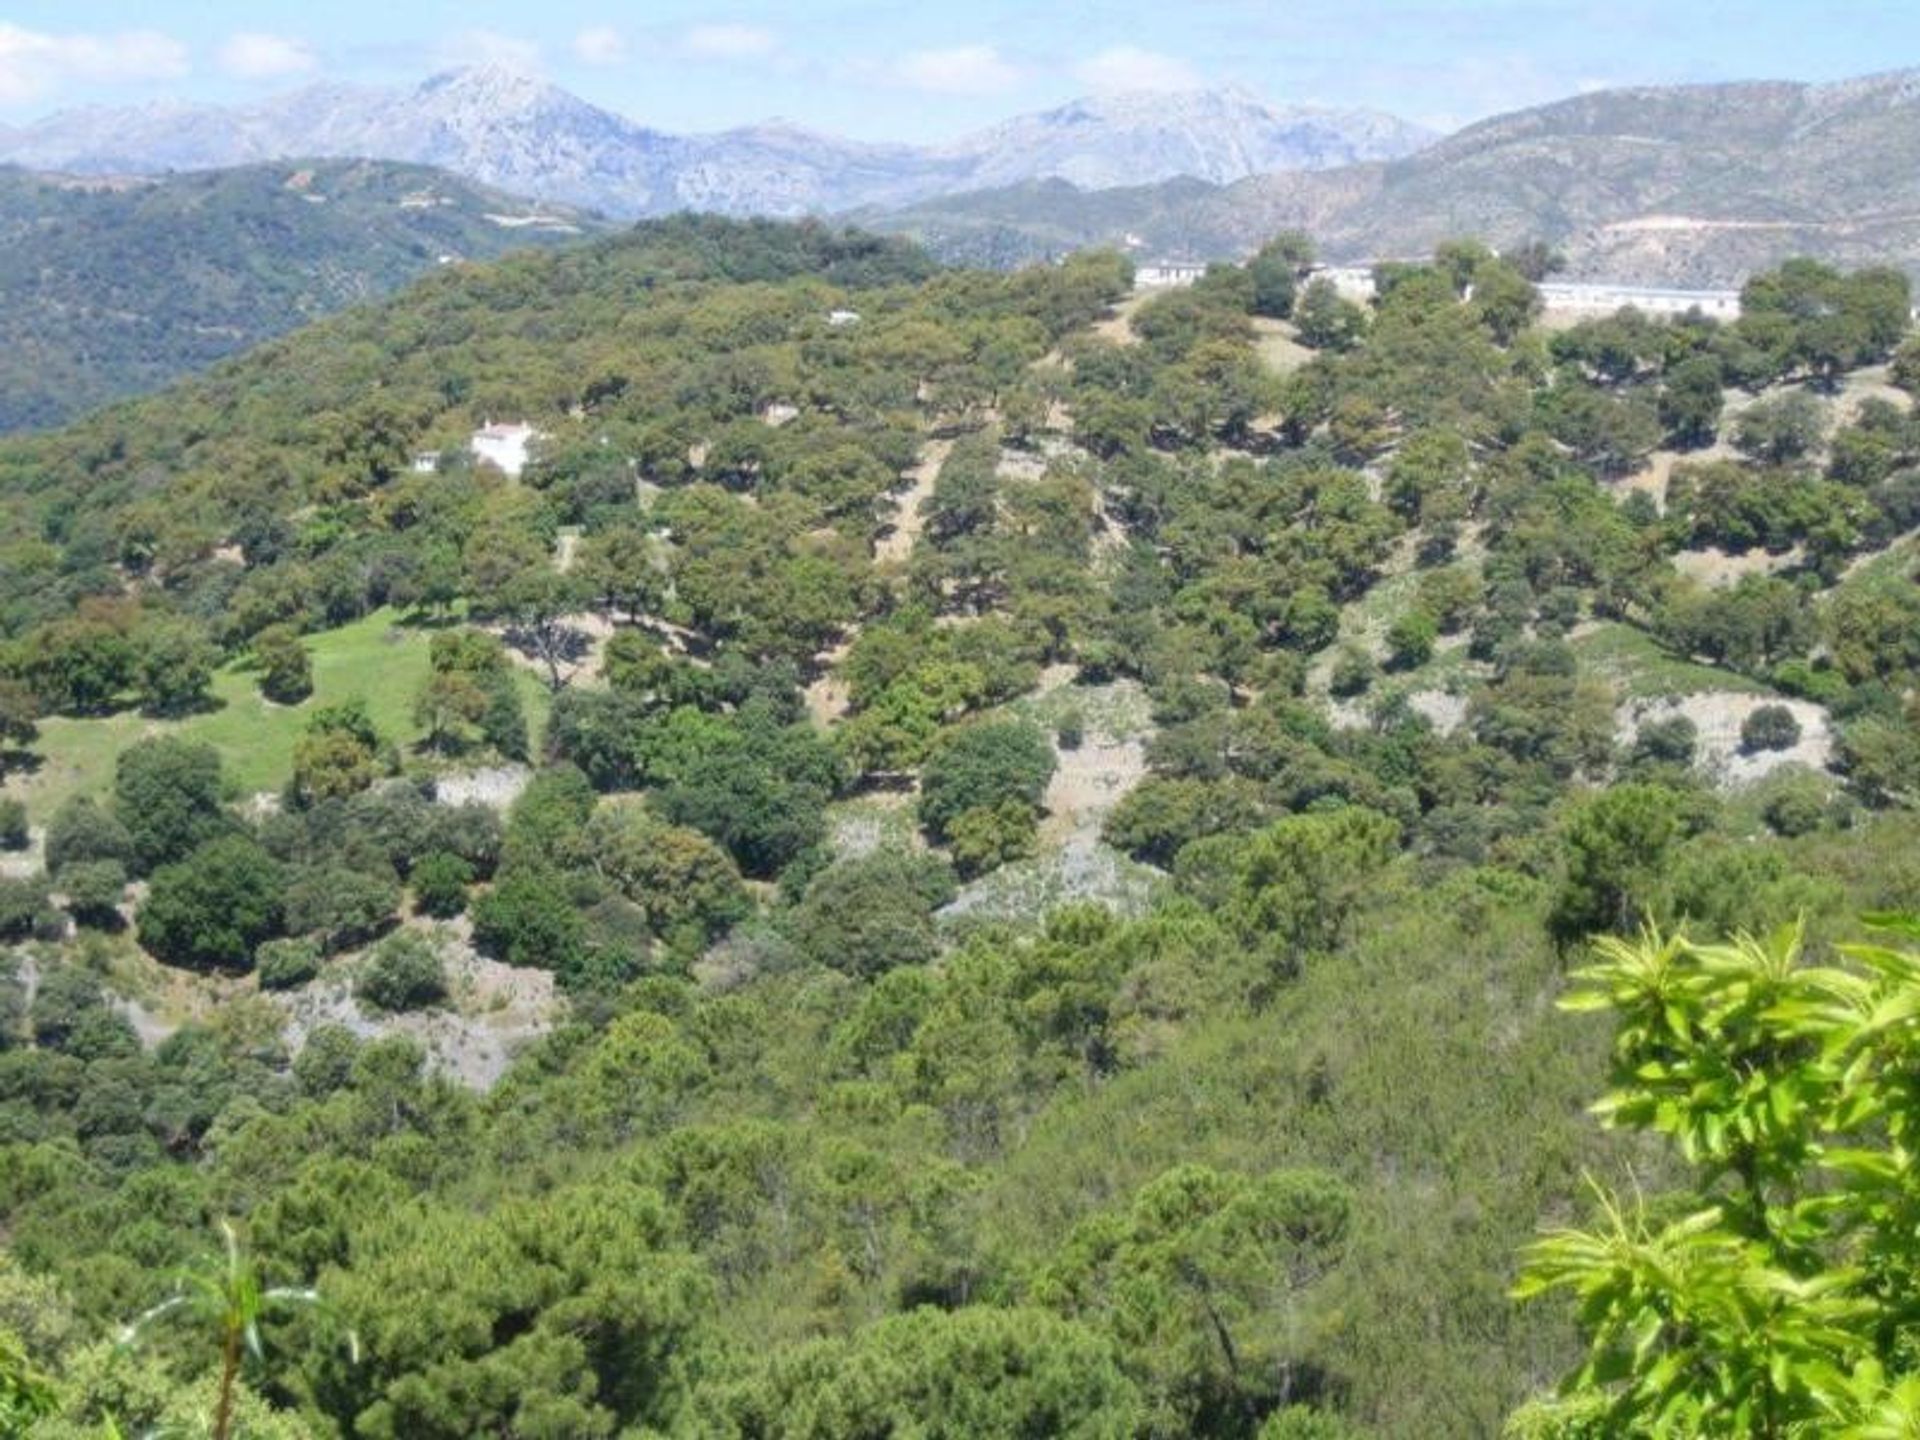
x=114 y=287
x=961 y=854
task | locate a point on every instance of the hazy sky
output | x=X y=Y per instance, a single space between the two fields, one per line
x=923 y=69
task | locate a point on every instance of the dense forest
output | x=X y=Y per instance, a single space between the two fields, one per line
x=112 y=287
x=968 y=854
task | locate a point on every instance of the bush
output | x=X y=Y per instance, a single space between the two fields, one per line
x=1070 y=730
x=166 y=792
x=985 y=765
x=1770 y=727
x=1352 y=673
x=1795 y=812
x=23 y=905
x=873 y=914
x=527 y=919
x=404 y=973
x=209 y=910
x=286 y=670
x=93 y=889
x=283 y=964
x=440 y=882
x=81 y=831
x=13 y=825
x=1669 y=741
x=340 y=908
x=1411 y=639
x=988 y=836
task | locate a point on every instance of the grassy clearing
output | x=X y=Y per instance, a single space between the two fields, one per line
x=1277 y=348
x=374 y=659
x=1635 y=663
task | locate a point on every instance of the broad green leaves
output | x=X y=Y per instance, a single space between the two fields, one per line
x=1779 y=1300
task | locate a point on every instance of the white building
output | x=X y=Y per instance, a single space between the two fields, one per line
x=837 y=318
x=1574 y=299
x=426 y=462
x=1164 y=274
x=504 y=446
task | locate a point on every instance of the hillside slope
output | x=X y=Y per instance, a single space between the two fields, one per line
x=1681 y=185
x=113 y=287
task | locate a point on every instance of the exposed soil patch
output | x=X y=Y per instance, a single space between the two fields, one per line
x=1717 y=716
x=897 y=544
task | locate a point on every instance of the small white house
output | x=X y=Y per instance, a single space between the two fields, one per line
x=504 y=446
x=425 y=462
x=837 y=318
x=1164 y=274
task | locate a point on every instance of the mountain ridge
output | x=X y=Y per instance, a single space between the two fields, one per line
x=510 y=129
x=1696 y=185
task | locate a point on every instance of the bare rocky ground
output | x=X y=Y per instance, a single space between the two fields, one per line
x=495 y=786
x=1717 y=716
x=1716 y=569
x=24 y=864
x=492 y=1012
x=1072 y=862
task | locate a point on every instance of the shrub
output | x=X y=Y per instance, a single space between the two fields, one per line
x=404 y=973
x=1070 y=730
x=13 y=824
x=286 y=670
x=80 y=831
x=873 y=914
x=988 y=836
x=340 y=908
x=984 y=765
x=283 y=964
x=440 y=882
x=527 y=919
x=1794 y=812
x=1671 y=741
x=1352 y=673
x=166 y=792
x=1770 y=727
x=209 y=910
x=23 y=903
x=93 y=889
x=1411 y=639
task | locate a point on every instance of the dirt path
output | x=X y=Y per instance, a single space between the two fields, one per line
x=1118 y=327
x=826 y=697
x=897 y=544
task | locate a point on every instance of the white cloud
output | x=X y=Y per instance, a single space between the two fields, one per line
x=254 y=55
x=963 y=70
x=600 y=45
x=728 y=42
x=34 y=63
x=490 y=47
x=1127 y=67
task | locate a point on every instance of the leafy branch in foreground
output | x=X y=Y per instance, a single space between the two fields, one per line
x=224 y=1294
x=1778 y=1296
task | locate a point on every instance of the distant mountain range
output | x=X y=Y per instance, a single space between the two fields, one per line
x=115 y=286
x=111 y=285
x=1680 y=185
x=522 y=134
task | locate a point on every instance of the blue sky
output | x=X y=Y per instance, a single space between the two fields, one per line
x=922 y=71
